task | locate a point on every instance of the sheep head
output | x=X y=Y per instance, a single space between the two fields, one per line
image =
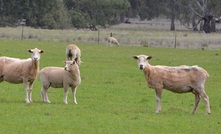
x=142 y=60
x=35 y=54
x=69 y=64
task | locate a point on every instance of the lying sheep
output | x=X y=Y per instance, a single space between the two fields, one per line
x=181 y=79
x=14 y=70
x=73 y=53
x=58 y=77
x=111 y=40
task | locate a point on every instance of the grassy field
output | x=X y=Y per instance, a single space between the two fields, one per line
x=153 y=33
x=113 y=96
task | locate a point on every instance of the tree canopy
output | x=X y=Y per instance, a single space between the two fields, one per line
x=61 y=14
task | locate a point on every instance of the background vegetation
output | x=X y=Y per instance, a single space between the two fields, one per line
x=64 y=14
x=113 y=96
x=152 y=33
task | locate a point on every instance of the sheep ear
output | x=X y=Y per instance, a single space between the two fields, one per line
x=41 y=51
x=135 y=57
x=30 y=51
x=74 y=62
x=149 y=57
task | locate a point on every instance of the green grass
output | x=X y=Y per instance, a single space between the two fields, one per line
x=133 y=35
x=113 y=96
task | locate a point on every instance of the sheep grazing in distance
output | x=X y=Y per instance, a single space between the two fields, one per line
x=14 y=70
x=111 y=40
x=73 y=53
x=58 y=77
x=180 y=79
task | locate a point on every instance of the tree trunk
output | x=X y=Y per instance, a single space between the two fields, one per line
x=206 y=26
x=213 y=25
x=193 y=18
x=207 y=23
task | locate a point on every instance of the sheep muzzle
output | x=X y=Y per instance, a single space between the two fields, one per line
x=141 y=67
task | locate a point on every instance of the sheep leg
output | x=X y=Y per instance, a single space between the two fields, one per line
x=44 y=95
x=30 y=91
x=158 y=100
x=197 y=100
x=65 y=94
x=26 y=90
x=74 y=94
x=206 y=99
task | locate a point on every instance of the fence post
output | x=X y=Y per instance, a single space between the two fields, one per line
x=175 y=40
x=98 y=36
x=22 y=23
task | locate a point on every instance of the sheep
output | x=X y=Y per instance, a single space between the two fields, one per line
x=111 y=40
x=178 y=79
x=14 y=70
x=73 y=53
x=58 y=77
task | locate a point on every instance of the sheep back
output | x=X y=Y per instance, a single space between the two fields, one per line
x=57 y=77
x=176 y=79
x=15 y=70
x=73 y=53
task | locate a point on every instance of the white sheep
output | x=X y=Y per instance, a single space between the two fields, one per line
x=58 y=77
x=111 y=40
x=14 y=70
x=73 y=53
x=180 y=79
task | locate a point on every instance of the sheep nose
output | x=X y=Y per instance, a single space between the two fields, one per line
x=65 y=68
x=141 y=67
x=35 y=58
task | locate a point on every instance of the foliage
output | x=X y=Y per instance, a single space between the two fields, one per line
x=113 y=96
x=98 y=12
x=38 y=13
x=60 y=14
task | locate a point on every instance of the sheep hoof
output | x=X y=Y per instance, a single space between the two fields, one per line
x=46 y=101
x=27 y=101
x=157 y=112
x=209 y=113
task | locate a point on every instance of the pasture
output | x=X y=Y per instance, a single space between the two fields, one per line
x=154 y=33
x=113 y=96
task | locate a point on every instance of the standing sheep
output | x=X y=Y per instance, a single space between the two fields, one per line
x=180 y=79
x=14 y=70
x=58 y=77
x=73 y=53
x=111 y=40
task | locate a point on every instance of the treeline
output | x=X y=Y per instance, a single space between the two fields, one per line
x=62 y=14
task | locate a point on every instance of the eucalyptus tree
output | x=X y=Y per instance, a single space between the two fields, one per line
x=206 y=11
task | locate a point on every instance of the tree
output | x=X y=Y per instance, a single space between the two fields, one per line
x=85 y=13
x=38 y=13
x=9 y=12
x=49 y=14
x=205 y=10
x=146 y=9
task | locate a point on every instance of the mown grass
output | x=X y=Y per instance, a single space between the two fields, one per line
x=113 y=96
